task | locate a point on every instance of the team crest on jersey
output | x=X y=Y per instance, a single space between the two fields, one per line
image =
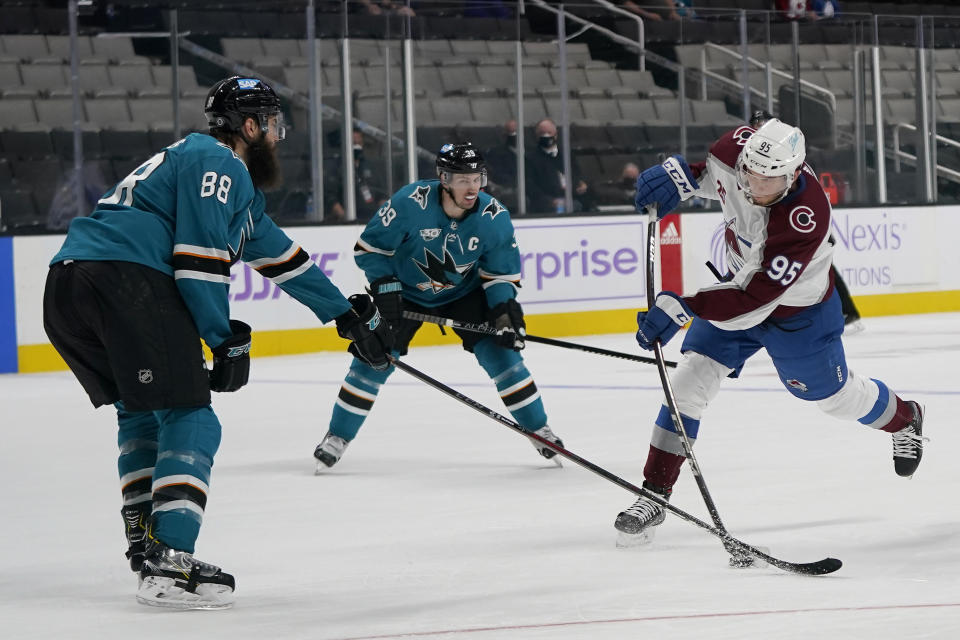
x=429 y=234
x=796 y=384
x=419 y=195
x=442 y=274
x=493 y=208
x=802 y=220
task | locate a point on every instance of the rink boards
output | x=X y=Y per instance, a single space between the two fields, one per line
x=581 y=275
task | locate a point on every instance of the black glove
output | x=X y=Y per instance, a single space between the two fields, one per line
x=371 y=338
x=386 y=295
x=507 y=319
x=231 y=360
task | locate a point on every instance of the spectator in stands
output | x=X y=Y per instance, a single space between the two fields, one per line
x=502 y=167
x=660 y=9
x=807 y=9
x=623 y=189
x=486 y=9
x=546 y=182
x=369 y=194
x=63 y=207
x=381 y=7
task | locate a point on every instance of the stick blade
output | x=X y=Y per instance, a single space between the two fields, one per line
x=819 y=568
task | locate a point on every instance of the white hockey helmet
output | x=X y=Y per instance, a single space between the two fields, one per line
x=769 y=160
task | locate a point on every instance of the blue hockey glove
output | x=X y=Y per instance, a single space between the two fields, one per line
x=231 y=360
x=666 y=185
x=387 y=296
x=667 y=315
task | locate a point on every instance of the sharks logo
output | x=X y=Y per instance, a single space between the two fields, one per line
x=419 y=195
x=493 y=209
x=441 y=274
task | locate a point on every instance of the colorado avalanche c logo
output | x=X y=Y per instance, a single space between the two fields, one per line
x=802 y=220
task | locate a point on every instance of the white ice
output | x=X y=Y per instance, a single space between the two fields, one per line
x=441 y=523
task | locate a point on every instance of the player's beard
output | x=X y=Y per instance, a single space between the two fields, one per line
x=263 y=164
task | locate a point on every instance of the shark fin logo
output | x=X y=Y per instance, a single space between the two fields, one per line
x=493 y=209
x=442 y=274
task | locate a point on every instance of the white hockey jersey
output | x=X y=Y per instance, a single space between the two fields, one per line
x=780 y=257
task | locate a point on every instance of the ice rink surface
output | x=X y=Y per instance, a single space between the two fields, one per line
x=441 y=523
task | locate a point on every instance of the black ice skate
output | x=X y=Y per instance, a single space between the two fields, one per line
x=135 y=522
x=329 y=451
x=176 y=580
x=636 y=524
x=908 y=444
x=548 y=453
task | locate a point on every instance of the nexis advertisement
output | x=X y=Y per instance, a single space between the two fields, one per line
x=578 y=264
x=877 y=251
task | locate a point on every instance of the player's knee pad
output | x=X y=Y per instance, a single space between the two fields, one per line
x=854 y=399
x=193 y=431
x=696 y=382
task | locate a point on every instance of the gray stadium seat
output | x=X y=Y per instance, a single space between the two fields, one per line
x=450 y=110
x=59 y=46
x=16 y=112
x=108 y=112
x=457 y=78
x=499 y=75
x=283 y=48
x=43 y=77
x=245 y=50
x=574 y=107
x=131 y=78
x=601 y=110
x=638 y=111
x=119 y=50
x=25 y=47
x=492 y=110
x=147 y=111
x=57 y=113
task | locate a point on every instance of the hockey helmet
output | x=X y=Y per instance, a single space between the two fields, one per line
x=769 y=160
x=759 y=118
x=460 y=158
x=232 y=100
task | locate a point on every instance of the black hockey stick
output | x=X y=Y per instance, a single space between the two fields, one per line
x=737 y=557
x=488 y=330
x=819 y=568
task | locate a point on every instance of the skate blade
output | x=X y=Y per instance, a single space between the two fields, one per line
x=748 y=561
x=162 y=592
x=630 y=540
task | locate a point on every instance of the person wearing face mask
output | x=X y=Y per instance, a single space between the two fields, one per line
x=369 y=195
x=141 y=281
x=443 y=247
x=546 y=182
x=502 y=167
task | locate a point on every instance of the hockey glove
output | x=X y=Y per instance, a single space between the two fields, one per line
x=665 y=185
x=371 y=339
x=507 y=319
x=231 y=360
x=387 y=296
x=667 y=315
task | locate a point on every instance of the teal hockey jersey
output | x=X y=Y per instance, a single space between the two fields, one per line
x=191 y=211
x=436 y=258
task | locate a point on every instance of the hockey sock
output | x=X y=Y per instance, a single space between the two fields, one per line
x=662 y=469
x=514 y=384
x=355 y=400
x=189 y=438
x=137 y=439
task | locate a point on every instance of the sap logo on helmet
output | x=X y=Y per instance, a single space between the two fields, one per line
x=247 y=83
x=793 y=140
x=446 y=147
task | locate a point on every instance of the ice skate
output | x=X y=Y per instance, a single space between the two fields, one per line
x=135 y=522
x=548 y=453
x=176 y=580
x=329 y=451
x=908 y=444
x=637 y=524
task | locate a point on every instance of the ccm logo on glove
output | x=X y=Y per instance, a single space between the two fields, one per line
x=679 y=177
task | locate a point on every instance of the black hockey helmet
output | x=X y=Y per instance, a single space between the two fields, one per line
x=759 y=118
x=461 y=158
x=232 y=100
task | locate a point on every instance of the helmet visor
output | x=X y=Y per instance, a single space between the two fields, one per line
x=272 y=125
x=759 y=187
